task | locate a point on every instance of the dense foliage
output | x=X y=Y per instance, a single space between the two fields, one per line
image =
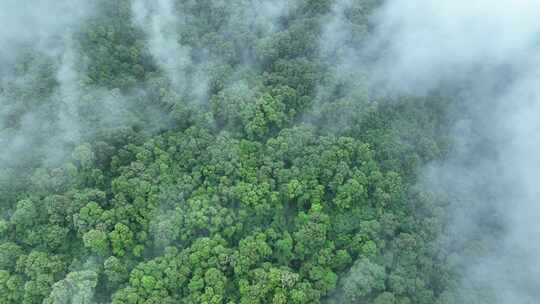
x=282 y=184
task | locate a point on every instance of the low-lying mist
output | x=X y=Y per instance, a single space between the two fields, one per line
x=260 y=71
x=488 y=53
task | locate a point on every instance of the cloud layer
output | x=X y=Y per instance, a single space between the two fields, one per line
x=488 y=52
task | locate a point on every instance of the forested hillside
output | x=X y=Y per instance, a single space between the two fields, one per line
x=216 y=152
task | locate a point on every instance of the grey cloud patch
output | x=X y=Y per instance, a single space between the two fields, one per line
x=451 y=39
x=27 y=33
x=171 y=27
x=37 y=24
x=491 y=51
x=42 y=56
x=160 y=22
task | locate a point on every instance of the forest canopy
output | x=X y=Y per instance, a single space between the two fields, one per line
x=211 y=151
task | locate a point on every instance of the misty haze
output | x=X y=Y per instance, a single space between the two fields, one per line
x=269 y=151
